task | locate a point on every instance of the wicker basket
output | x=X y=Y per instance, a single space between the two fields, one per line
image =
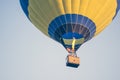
x=73 y=61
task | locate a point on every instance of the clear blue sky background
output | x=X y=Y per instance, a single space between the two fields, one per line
x=27 y=54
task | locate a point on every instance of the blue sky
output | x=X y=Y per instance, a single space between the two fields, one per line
x=27 y=54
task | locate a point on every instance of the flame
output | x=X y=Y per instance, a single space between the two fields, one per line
x=73 y=43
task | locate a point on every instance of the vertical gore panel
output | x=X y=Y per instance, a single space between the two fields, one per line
x=75 y=6
x=58 y=6
x=67 y=6
x=24 y=5
x=118 y=7
x=83 y=6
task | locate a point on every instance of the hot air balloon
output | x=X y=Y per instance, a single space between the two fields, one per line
x=71 y=22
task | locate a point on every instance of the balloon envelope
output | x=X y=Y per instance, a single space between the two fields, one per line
x=66 y=20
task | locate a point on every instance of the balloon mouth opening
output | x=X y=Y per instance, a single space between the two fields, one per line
x=72 y=41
